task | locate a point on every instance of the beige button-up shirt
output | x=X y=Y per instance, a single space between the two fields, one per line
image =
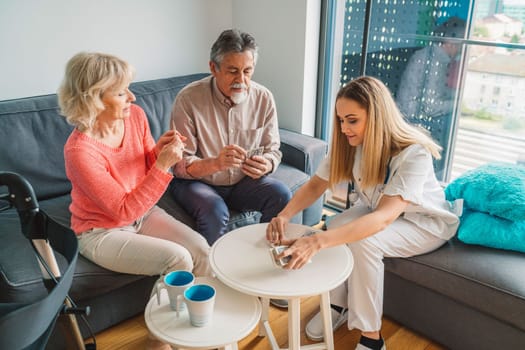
x=211 y=121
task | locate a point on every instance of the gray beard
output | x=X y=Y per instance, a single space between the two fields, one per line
x=239 y=98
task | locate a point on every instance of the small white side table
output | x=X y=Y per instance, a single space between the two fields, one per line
x=235 y=316
x=242 y=261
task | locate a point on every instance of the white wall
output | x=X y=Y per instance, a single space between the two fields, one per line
x=161 y=38
x=288 y=36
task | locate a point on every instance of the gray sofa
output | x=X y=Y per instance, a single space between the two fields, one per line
x=461 y=296
x=32 y=136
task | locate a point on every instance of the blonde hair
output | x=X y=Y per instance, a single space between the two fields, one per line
x=386 y=134
x=88 y=75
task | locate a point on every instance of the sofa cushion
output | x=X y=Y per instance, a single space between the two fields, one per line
x=488 y=280
x=495 y=188
x=91 y=280
x=292 y=177
x=491 y=231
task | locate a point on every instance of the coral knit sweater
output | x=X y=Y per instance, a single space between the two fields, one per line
x=113 y=187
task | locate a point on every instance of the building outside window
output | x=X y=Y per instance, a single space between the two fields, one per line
x=466 y=59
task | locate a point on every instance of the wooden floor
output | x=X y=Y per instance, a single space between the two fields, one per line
x=132 y=334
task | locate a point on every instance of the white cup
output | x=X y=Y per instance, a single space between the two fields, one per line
x=175 y=282
x=200 y=299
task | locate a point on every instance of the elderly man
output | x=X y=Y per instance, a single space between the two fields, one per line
x=232 y=140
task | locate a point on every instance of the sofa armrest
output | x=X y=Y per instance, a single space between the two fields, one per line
x=301 y=151
x=304 y=153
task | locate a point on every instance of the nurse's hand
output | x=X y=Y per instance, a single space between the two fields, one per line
x=301 y=251
x=275 y=230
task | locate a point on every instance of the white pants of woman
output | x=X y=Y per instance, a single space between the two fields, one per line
x=153 y=245
x=362 y=293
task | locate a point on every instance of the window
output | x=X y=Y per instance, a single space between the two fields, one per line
x=466 y=66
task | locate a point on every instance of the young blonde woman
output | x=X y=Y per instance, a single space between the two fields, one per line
x=398 y=208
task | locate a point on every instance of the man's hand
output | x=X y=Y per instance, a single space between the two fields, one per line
x=231 y=156
x=256 y=166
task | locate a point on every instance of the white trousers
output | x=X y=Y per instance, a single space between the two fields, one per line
x=154 y=245
x=362 y=293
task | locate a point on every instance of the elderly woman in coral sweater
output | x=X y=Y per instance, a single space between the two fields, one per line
x=118 y=174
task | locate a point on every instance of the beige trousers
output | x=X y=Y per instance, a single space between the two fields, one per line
x=154 y=245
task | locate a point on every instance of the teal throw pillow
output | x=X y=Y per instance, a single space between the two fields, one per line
x=491 y=231
x=495 y=188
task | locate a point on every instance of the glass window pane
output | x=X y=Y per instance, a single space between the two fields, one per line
x=456 y=68
x=415 y=48
x=491 y=126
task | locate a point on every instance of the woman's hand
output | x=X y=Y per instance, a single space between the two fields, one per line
x=166 y=138
x=275 y=229
x=301 y=251
x=170 y=150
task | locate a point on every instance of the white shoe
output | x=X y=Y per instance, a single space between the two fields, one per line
x=362 y=347
x=314 y=328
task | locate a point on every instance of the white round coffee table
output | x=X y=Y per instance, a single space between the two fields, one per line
x=241 y=260
x=235 y=316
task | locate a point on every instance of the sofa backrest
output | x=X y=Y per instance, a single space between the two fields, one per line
x=32 y=138
x=33 y=133
x=156 y=98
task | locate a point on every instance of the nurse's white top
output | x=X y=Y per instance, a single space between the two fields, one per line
x=411 y=176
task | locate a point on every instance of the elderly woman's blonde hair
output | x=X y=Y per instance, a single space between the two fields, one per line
x=88 y=75
x=386 y=134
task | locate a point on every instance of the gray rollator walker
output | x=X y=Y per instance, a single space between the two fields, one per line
x=28 y=325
